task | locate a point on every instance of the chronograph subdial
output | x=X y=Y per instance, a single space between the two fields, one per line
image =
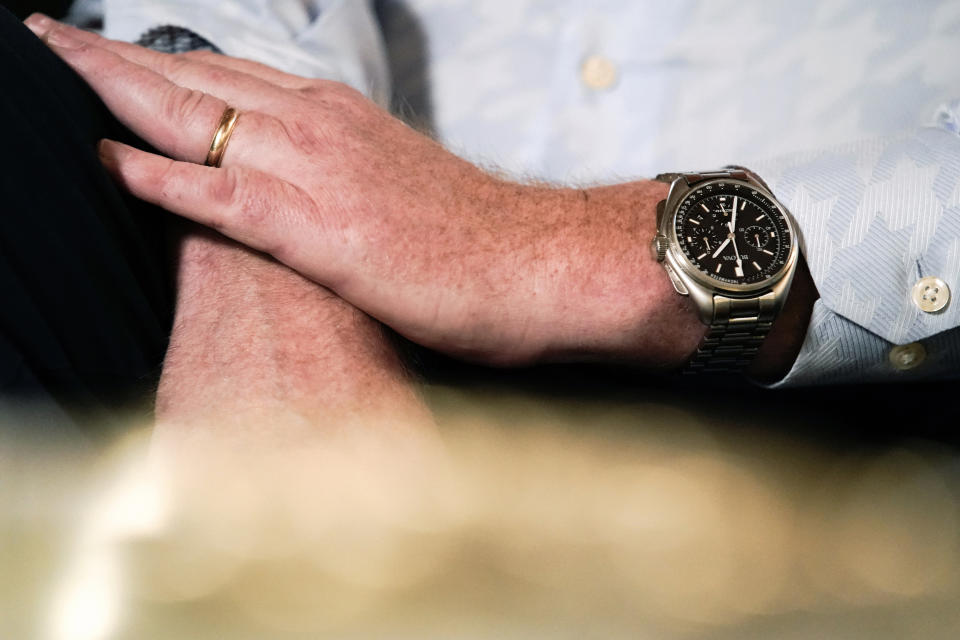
x=757 y=237
x=704 y=234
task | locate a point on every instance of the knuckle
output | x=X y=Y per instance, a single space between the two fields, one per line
x=181 y=105
x=265 y=213
x=188 y=71
x=219 y=75
x=185 y=109
x=245 y=205
x=176 y=63
x=330 y=92
x=225 y=191
x=168 y=181
x=313 y=91
x=304 y=136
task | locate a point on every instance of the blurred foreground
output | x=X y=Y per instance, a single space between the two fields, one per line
x=544 y=517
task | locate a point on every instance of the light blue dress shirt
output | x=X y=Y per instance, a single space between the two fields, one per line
x=847 y=108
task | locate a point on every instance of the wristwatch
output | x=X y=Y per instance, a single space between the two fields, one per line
x=726 y=242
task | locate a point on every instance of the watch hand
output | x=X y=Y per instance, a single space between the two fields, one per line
x=737 y=251
x=757 y=238
x=733 y=234
x=706 y=242
x=720 y=248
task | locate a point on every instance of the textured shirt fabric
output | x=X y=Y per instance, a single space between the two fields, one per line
x=335 y=39
x=875 y=217
x=848 y=109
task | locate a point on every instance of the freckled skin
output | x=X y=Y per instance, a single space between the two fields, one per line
x=259 y=354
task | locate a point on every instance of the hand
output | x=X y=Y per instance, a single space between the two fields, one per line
x=322 y=179
x=733 y=236
x=722 y=246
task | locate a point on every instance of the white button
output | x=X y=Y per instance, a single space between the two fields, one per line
x=598 y=72
x=931 y=294
x=907 y=356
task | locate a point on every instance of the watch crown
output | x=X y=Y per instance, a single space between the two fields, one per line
x=660 y=247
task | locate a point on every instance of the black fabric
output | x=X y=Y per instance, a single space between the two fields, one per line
x=85 y=295
x=23 y=8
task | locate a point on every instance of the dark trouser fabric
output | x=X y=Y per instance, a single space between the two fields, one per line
x=85 y=295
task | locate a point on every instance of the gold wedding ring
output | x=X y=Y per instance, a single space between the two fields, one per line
x=228 y=121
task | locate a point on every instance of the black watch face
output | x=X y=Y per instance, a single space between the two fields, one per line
x=733 y=233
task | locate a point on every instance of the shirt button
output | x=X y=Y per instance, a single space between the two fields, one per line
x=931 y=294
x=598 y=73
x=907 y=356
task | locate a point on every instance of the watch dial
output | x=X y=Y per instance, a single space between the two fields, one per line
x=733 y=233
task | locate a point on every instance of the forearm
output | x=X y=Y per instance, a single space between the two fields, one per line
x=624 y=306
x=257 y=350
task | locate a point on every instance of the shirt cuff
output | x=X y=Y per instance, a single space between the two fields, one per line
x=874 y=219
x=837 y=350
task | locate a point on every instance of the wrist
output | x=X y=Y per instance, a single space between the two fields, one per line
x=644 y=319
x=615 y=302
x=623 y=306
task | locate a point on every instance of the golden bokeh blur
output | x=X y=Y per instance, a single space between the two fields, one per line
x=539 y=518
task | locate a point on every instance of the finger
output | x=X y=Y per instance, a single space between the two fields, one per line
x=241 y=90
x=252 y=68
x=178 y=121
x=252 y=207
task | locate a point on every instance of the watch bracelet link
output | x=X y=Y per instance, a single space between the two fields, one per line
x=738 y=329
x=739 y=325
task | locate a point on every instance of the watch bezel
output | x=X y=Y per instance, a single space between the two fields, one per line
x=681 y=260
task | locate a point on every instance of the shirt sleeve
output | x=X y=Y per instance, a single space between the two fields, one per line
x=330 y=39
x=879 y=226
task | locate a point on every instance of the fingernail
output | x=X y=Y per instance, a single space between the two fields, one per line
x=63 y=39
x=38 y=23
